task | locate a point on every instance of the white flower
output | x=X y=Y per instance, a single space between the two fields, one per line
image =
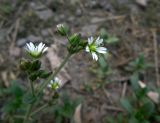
x=94 y=47
x=59 y=25
x=36 y=51
x=55 y=84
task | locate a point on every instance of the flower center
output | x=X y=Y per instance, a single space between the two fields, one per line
x=92 y=47
x=55 y=85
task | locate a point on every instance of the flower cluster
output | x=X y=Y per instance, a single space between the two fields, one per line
x=75 y=44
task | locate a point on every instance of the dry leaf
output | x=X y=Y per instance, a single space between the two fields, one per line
x=77 y=115
x=142 y=84
x=142 y=2
x=154 y=96
x=55 y=61
x=4 y=75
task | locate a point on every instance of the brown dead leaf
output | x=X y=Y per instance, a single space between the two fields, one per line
x=5 y=78
x=55 y=61
x=142 y=2
x=154 y=96
x=77 y=115
x=142 y=84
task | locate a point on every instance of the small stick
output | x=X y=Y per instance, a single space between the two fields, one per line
x=124 y=89
x=114 y=108
x=156 y=57
x=107 y=95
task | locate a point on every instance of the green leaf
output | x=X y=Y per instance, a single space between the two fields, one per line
x=28 y=98
x=157 y=118
x=147 y=109
x=133 y=120
x=16 y=90
x=134 y=82
x=112 y=40
x=126 y=105
x=102 y=62
x=12 y=105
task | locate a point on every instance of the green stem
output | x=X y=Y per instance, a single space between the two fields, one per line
x=39 y=109
x=28 y=113
x=53 y=74
x=32 y=87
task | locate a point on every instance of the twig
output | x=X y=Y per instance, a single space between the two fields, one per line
x=107 y=95
x=156 y=56
x=124 y=89
x=114 y=108
x=14 y=36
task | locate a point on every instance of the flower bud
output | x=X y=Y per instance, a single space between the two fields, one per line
x=36 y=65
x=25 y=64
x=74 y=39
x=43 y=74
x=33 y=76
x=62 y=29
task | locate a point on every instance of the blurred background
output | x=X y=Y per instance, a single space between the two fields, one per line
x=92 y=90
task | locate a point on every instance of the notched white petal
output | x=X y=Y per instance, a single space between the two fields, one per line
x=94 y=56
x=87 y=49
x=90 y=40
x=45 y=49
x=101 y=50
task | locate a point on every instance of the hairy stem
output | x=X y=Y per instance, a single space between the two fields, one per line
x=28 y=113
x=32 y=88
x=53 y=74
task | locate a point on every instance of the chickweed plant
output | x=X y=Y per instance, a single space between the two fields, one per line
x=26 y=102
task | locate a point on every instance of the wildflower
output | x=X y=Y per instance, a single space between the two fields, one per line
x=62 y=29
x=94 y=47
x=55 y=84
x=36 y=51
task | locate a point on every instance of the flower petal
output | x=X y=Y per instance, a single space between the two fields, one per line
x=40 y=47
x=49 y=85
x=32 y=47
x=99 y=41
x=101 y=50
x=90 y=40
x=45 y=49
x=87 y=49
x=29 y=47
x=94 y=56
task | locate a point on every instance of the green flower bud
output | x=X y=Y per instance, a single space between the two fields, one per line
x=33 y=76
x=74 y=39
x=43 y=74
x=36 y=65
x=25 y=64
x=62 y=29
